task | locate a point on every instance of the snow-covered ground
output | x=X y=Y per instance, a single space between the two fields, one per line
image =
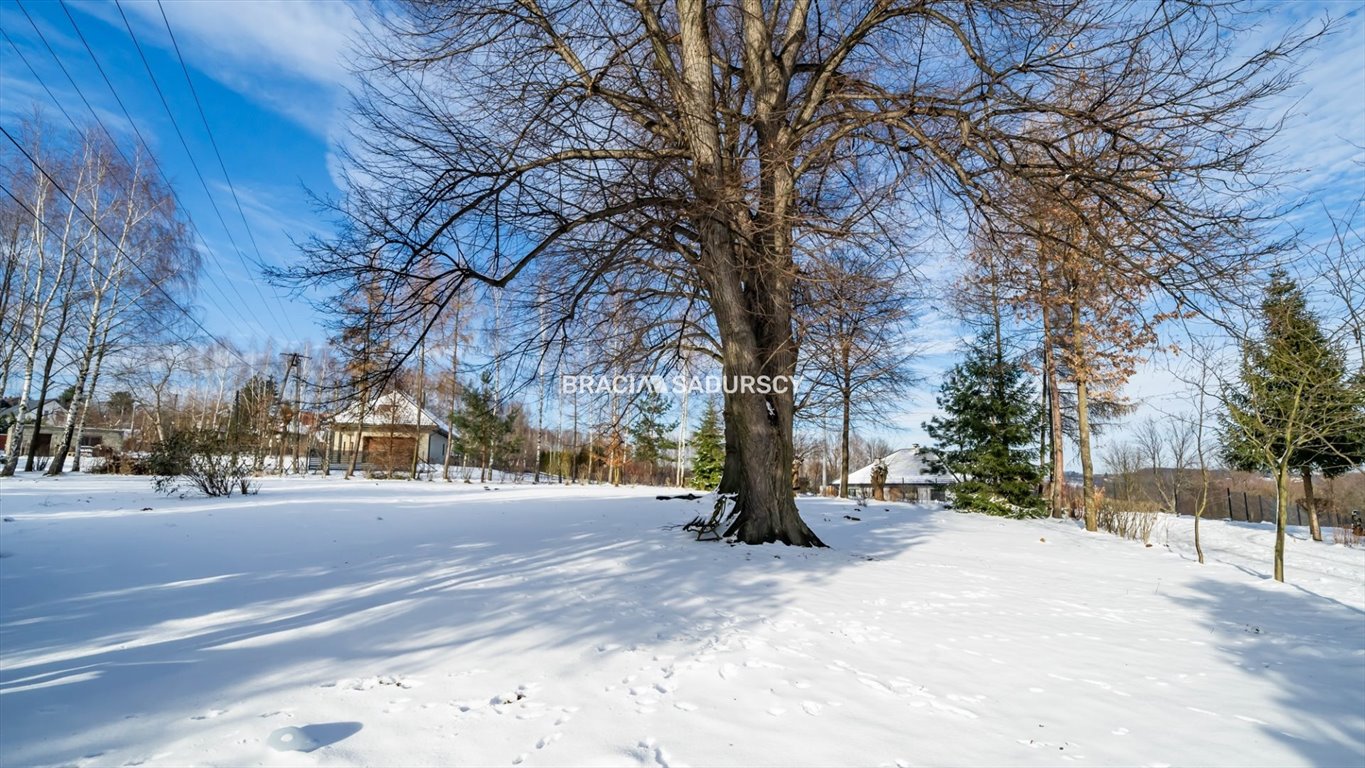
x=416 y=623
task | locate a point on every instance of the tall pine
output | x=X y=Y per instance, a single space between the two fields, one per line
x=987 y=434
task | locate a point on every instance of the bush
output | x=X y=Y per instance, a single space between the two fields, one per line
x=199 y=461
x=1347 y=536
x=1126 y=522
x=107 y=461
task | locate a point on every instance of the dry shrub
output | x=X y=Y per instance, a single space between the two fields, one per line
x=1347 y=536
x=1122 y=520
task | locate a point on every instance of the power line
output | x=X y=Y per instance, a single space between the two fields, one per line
x=205 y=120
x=185 y=144
x=260 y=259
x=241 y=301
x=117 y=248
x=283 y=318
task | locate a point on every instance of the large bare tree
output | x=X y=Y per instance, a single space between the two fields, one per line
x=715 y=143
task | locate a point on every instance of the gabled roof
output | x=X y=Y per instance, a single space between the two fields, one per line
x=390 y=408
x=908 y=466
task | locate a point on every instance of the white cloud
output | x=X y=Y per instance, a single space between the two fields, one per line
x=294 y=58
x=305 y=39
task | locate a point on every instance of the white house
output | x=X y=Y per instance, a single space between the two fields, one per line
x=394 y=427
x=909 y=477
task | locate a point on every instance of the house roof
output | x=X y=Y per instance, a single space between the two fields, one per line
x=390 y=408
x=908 y=466
x=49 y=407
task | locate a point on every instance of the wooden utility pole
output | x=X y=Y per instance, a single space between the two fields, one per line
x=291 y=365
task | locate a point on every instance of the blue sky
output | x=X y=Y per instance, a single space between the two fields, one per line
x=272 y=79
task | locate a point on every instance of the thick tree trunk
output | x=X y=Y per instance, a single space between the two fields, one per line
x=731 y=470
x=766 y=509
x=758 y=426
x=745 y=250
x=1312 y=505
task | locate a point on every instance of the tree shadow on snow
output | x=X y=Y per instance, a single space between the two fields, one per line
x=586 y=581
x=1309 y=648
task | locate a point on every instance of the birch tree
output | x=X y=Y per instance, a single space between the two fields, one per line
x=139 y=250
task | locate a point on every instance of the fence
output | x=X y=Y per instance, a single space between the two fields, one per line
x=1243 y=507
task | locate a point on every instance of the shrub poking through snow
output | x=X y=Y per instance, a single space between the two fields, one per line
x=198 y=460
x=1127 y=522
x=1347 y=536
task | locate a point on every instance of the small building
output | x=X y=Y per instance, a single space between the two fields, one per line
x=394 y=426
x=909 y=477
x=55 y=416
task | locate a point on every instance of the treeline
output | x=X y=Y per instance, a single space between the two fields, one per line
x=1283 y=396
x=98 y=267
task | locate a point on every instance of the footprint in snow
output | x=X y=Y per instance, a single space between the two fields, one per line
x=546 y=741
x=212 y=713
x=812 y=708
x=648 y=748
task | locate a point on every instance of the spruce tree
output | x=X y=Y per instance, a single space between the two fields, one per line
x=986 y=437
x=649 y=432
x=708 y=450
x=1294 y=407
x=480 y=430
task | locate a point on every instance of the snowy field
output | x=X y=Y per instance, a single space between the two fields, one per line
x=400 y=623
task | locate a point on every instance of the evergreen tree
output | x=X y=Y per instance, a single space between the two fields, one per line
x=649 y=433
x=708 y=450
x=985 y=437
x=120 y=405
x=250 y=420
x=1294 y=408
x=480 y=429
